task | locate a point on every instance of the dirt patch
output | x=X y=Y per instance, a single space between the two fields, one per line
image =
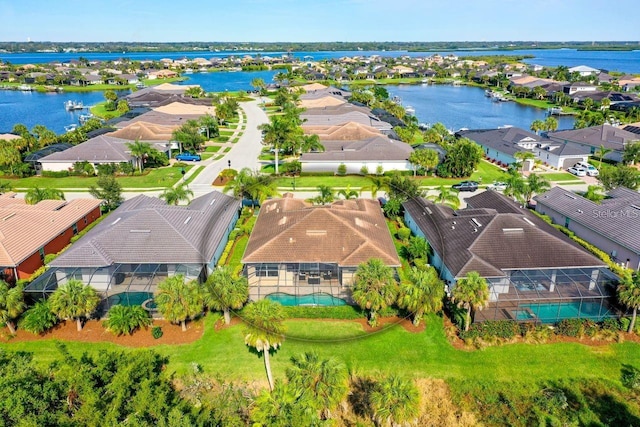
x=220 y=181
x=93 y=331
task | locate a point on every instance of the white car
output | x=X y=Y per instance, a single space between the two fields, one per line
x=498 y=186
x=577 y=171
x=591 y=170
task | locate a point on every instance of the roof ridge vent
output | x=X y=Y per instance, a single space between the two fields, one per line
x=513 y=230
x=571 y=196
x=139 y=231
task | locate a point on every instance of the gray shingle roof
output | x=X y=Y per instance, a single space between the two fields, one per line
x=380 y=148
x=504 y=140
x=101 y=148
x=616 y=218
x=146 y=230
x=607 y=135
x=490 y=242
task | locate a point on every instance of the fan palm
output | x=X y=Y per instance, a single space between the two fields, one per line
x=422 y=294
x=139 y=150
x=222 y=291
x=446 y=196
x=629 y=294
x=602 y=152
x=74 y=300
x=395 y=401
x=264 y=330
x=11 y=304
x=178 y=301
x=39 y=318
x=175 y=195
x=374 y=287
x=471 y=292
x=124 y=319
x=36 y=194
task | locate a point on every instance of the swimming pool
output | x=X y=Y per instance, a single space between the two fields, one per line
x=133 y=298
x=553 y=312
x=312 y=299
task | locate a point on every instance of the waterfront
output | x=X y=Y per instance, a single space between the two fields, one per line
x=221 y=81
x=623 y=61
x=467 y=107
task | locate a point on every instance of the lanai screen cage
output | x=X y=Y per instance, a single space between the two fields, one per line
x=127 y=284
x=551 y=295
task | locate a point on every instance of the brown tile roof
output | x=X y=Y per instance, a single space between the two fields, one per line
x=313 y=86
x=26 y=228
x=325 y=101
x=183 y=108
x=144 y=132
x=158 y=118
x=347 y=232
x=350 y=131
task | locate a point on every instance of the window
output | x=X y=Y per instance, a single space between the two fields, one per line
x=566 y=222
x=74 y=227
x=85 y=220
x=41 y=252
x=267 y=270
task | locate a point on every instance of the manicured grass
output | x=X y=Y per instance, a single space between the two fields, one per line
x=212 y=149
x=542 y=104
x=163 y=177
x=226 y=132
x=559 y=176
x=98 y=110
x=424 y=354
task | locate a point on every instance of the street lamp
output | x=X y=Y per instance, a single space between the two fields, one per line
x=229 y=163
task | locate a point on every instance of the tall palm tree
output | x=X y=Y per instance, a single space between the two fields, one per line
x=516 y=185
x=74 y=300
x=602 y=152
x=321 y=382
x=422 y=294
x=470 y=292
x=377 y=183
x=36 y=194
x=629 y=294
x=139 y=150
x=551 y=124
x=374 y=287
x=446 y=196
x=223 y=291
x=178 y=301
x=536 y=184
x=631 y=153
x=277 y=134
x=537 y=126
x=264 y=329
x=523 y=156
x=395 y=401
x=210 y=124
x=175 y=195
x=11 y=304
x=252 y=186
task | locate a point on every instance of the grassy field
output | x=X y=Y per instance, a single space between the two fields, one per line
x=424 y=354
x=163 y=177
x=560 y=176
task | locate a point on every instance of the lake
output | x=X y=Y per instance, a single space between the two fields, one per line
x=467 y=107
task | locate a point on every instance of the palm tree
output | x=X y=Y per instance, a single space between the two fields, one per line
x=210 y=124
x=377 y=183
x=472 y=293
x=175 y=195
x=374 y=287
x=124 y=319
x=395 y=401
x=264 y=329
x=522 y=156
x=629 y=294
x=139 y=150
x=277 y=134
x=594 y=193
x=36 y=194
x=516 y=185
x=326 y=195
x=631 y=153
x=446 y=196
x=551 y=124
x=222 y=291
x=282 y=407
x=252 y=186
x=74 y=300
x=536 y=184
x=11 y=304
x=5 y=187
x=323 y=383
x=537 y=126
x=422 y=294
x=602 y=152
x=39 y=318
x=418 y=247
x=348 y=193
x=178 y=301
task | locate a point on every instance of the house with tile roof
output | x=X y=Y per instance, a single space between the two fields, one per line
x=300 y=251
x=533 y=271
x=101 y=149
x=30 y=232
x=593 y=137
x=143 y=242
x=612 y=226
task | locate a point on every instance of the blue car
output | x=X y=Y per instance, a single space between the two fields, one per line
x=188 y=157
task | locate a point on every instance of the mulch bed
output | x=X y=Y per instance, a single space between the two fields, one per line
x=93 y=331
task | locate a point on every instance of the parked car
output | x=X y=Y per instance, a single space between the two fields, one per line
x=188 y=157
x=577 y=171
x=466 y=186
x=591 y=170
x=498 y=186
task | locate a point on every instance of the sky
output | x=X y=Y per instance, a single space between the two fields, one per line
x=318 y=20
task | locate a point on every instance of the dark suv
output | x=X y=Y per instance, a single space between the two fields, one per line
x=466 y=186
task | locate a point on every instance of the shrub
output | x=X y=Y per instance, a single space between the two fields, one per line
x=156 y=332
x=364 y=170
x=571 y=328
x=39 y=318
x=55 y=174
x=404 y=233
x=124 y=319
x=342 y=169
x=179 y=165
x=611 y=324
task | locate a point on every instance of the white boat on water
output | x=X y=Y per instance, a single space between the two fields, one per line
x=410 y=110
x=25 y=88
x=85 y=117
x=70 y=128
x=73 y=105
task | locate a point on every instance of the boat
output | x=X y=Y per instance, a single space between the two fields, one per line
x=25 y=88
x=396 y=99
x=73 y=105
x=410 y=110
x=140 y=85
x=424 y=81
x=424 y=126
x=85 y=117
x=71 y=127
x=554 y=111
x=489 y=93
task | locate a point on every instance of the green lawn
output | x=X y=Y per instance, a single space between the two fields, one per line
x=163 y=177
x=559 y=176
x=424 y=354
x=212 y=149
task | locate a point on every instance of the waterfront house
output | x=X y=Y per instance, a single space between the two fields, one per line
x=590 y=139
x=143 y=242
x=372 y=154
x=584 y=70
x=500 y=145
x=350 y=131
x=613 y=225
x=578 y=87
x=342 y=114
x=533 y=271
x=299 y=250
x=28 y=233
